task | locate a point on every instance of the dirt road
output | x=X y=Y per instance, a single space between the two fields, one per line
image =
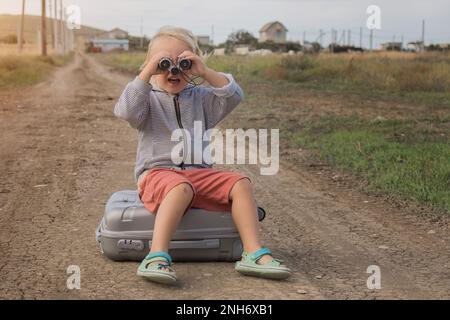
x=63 y=153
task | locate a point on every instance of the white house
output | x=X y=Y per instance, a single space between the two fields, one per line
x=205 y=40
x=115 y=33
x=105 y=45
x=414 y=46
x=243 y=51
x=273 y=31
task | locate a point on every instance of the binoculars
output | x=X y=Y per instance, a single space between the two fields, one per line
x=167 y=64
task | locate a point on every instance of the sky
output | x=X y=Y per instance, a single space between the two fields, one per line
x=218 y=18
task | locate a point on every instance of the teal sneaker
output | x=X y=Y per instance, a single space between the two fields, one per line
x=157 y=272
x=271 y=270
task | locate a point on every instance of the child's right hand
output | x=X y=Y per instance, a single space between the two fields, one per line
x=152 y=66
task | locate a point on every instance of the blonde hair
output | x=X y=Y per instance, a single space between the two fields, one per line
x=180 y=34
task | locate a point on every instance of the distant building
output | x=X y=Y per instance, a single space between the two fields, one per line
x=260 y=52
x=392 y=46
x=219 y=52
x=273 y=31
x=415 y=46
x=113 y=40
x=308 y=46
x=242 y=50
x=106 y=45
x=115 y=33
x=204 y=40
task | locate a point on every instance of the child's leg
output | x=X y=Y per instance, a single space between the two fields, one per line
x=169 y=214
x=245 y=217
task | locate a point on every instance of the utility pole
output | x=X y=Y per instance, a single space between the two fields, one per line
x=51 y=21
x=212 y=35
x=22 y=23
x=304 y=37
x=43 y=29
x=343 y=38
x=55 y=24
x=371 y=39
x=332 y=41
x=321 y=34
x=62 y=27
x=403 y=40
x=423 y=36
x=360 y=37
x=349 y=35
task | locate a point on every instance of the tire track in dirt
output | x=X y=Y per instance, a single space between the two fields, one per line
x=64 y=140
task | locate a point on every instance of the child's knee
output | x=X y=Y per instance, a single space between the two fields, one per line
x=185 y=189
x=242 y=186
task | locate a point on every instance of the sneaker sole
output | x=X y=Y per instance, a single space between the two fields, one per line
x=158 y=277
x=264 y=272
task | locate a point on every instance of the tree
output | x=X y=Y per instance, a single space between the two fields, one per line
x=316 y=47
x=242 y=37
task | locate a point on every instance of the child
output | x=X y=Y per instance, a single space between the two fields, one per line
x=156 y=103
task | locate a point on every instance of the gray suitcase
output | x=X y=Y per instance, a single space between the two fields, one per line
x=126 y=230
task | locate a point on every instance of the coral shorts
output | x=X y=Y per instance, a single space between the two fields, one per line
x=211 y=187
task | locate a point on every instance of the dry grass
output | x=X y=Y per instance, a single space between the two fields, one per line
x=407 y=77
x=384 y=71
x=16 y=71
x=28 y=50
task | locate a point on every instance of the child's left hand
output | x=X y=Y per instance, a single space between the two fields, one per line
x=198 y=67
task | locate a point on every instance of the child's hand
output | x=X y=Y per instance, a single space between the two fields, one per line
x=152 y=67
x=198 y=66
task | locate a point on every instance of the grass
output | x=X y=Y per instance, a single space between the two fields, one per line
x=29 y=49
x=406 y=158
x=17 y=71
x=399 y=77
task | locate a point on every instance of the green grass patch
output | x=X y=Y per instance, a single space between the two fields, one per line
x=17 y=71
x=410 y=160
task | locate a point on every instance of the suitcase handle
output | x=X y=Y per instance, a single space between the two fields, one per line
x=193 y=244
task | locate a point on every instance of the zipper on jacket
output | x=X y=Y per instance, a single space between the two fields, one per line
x=180 y=124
